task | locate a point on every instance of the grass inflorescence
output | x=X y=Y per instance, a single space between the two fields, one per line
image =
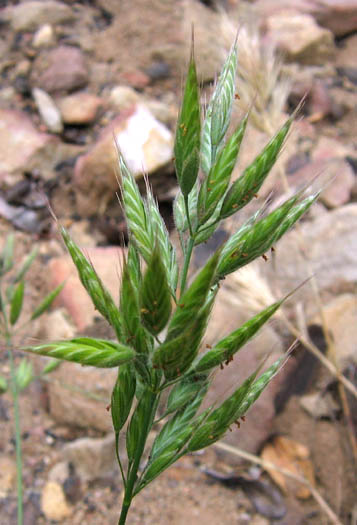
x=161 y=318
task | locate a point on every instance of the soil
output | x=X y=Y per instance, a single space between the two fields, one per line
x=184 y=494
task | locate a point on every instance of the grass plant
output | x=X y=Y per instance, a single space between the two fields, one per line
x=162 y=315
x=12 y=295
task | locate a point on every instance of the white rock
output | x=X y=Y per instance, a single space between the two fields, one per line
x=43 y=37
x=146 y=144
x=48 y=110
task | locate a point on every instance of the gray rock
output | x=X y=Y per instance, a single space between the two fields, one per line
x=28 y=16
x=60 y=69
x=78 y=396
x=91 y=457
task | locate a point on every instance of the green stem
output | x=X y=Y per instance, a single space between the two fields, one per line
x=15 y=398
x=118 y=458
x=188 y=215
x=188 y=254
x=18 y=445
x=134 y=467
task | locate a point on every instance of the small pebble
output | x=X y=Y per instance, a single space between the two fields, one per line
x=43 y=37
x=48 y=110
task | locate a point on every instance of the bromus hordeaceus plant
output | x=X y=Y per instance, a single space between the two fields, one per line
x=161 y=320
x=12 y=295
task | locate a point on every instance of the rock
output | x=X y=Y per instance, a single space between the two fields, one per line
x=79 y=395
x=340 y=317
x=20 y=142
x=80 y=108
x=300 y=38
x=337 y=175
x=320 y=102
x=53 y=502
x=92 y=458
x=73 y=297
x=164 y=110
x=145 y=143
x=137 y=79
x=59 y=472
x=43 y=37
x=339 y=16
x=212 y=40
x=339 y=190
x=28 y=16
x=320 y=406
x=55 y=326
x=48 y=110
x=346 y=54
x=61 y=69
x=123 y=97
x=7 y=476
x=328 y=148
x=349 y=72
x=158 y=70
x=257 y=426
x=329 y=253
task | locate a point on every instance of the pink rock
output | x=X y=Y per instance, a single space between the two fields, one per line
x=136 y=79
x=107 y=263
x=80 y=108
x=20 y=142
x=335 y=173
x=60 y=69
x=145 y=143
x=338 y=191
x=329 y=148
